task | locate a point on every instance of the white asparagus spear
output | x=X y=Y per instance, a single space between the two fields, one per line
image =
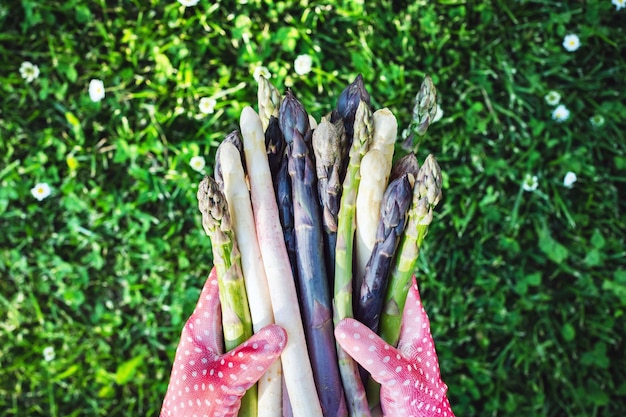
x=385 y=130
x=295 y=358
x=240 y=207
x=368 y=199
x=375 y=169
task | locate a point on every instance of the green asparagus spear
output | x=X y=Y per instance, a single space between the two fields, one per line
x=426 y=195
x=269 y=100
x=236 y=320
x=355 y=392
x=424 y=111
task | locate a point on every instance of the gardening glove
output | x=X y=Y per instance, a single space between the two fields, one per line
x=409 y=375
x=206 y=381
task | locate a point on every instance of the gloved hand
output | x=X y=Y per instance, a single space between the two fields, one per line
x=409 y=375
x=206 y=381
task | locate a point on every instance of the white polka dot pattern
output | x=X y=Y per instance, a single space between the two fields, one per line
x=411 y=384
x=204 y=380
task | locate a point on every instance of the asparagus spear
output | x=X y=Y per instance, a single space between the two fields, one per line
x=234 y=139
x=393 y=214
x=408 y=163
x=227 y=260
x=355 y=393
x=282 y=188
x=269 y=99
x=426 y=195
x=375 y=169
x=240 y=209
x=327 y=146
x=424 y=112
x=311 y=273
x=292 y=118
x=295 y=359
x=236 y=320
x=347 y=105
x=274 y=145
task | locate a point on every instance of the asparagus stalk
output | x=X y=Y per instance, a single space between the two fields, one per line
x=393 y=213
x=355 y=393
x=374 y=174
x=311 y=273
x=426 y=195
x=375 y=169
x=227 y=259
x=274 y=145
x=347 y=105
x=240 y=209
x=408 y=163
x=236 y=320
x=424 y=112
x=292 y=118
x=282 y=187
x=234 y=139
x=295 y=359
x=269 y=99
x=327 y=145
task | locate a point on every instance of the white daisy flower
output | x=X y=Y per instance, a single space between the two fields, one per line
x=552 y=98
x=96 y=90
x=597 y=120
x=561 y=113
x=29 y=71
x=619 y=4
x=197 y=163
x=188 y=3
x=261 y=71
x=48 y=353
x=207 y=105
x=40 y=191
x=302 y=65
x=569 y=179
x=530 y=183
x=571 y=42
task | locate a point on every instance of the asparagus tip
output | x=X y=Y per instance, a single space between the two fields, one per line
x=213 y=206
x=430 y=181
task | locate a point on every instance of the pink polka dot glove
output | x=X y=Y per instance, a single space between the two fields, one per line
x=204 y=380
x=409 y=375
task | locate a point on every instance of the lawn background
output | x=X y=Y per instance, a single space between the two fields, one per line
x=526 y=290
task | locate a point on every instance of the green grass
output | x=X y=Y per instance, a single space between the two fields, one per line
x=525 y=290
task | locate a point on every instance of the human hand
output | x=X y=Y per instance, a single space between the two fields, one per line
x=206 y=381
x=410 y=381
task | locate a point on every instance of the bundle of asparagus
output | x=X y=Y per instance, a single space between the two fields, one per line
x=311 y=224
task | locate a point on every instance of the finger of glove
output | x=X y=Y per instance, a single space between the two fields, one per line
x=403 y=388
x=204 y=327
x=243 y=366
x=382 y=361
x=416 y=341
